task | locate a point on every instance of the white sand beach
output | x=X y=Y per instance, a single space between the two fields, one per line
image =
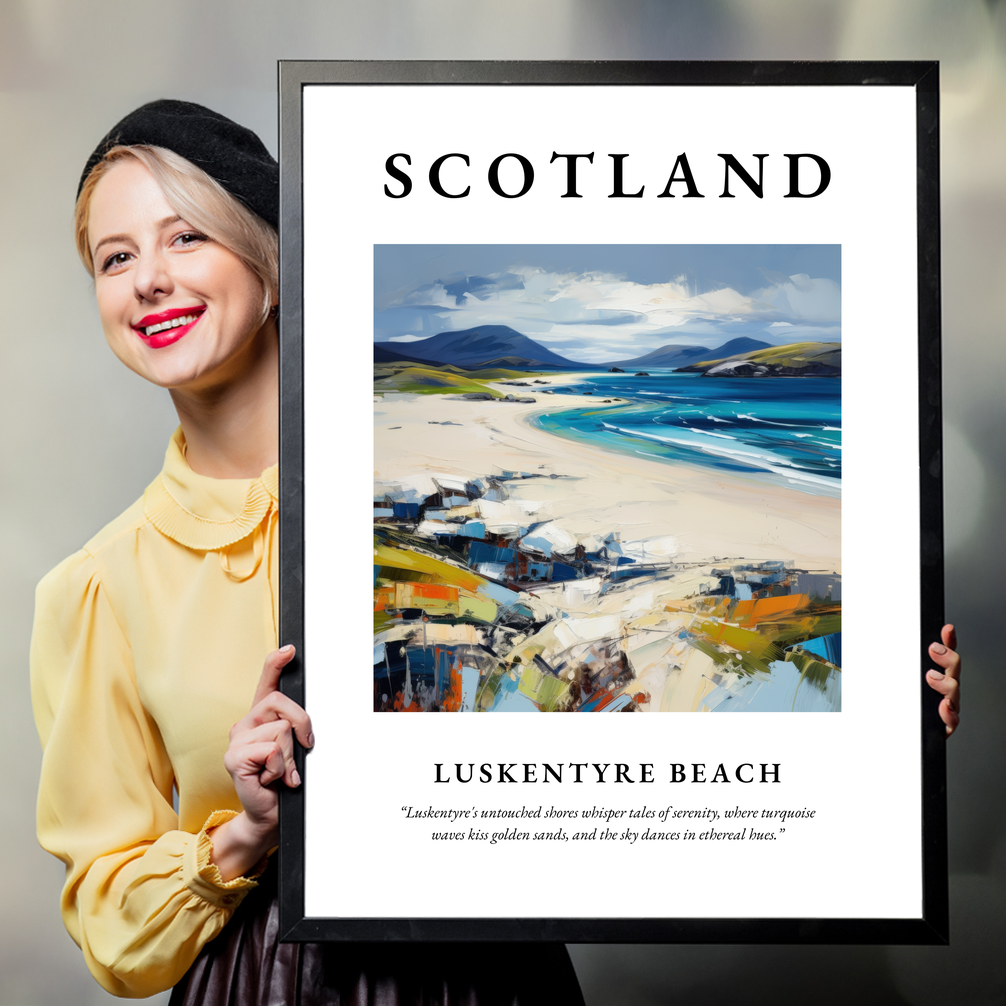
x=713 y=516
x=667 y=638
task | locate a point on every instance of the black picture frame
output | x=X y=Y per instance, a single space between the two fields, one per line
x=931 y=927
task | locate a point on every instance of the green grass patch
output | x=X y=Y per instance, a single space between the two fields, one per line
x=796 y=354
x=429 y=381
x=501 y=374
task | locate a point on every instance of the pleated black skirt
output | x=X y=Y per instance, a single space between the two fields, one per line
x=246 y=965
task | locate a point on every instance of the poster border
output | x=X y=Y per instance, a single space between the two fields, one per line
x=933 y=925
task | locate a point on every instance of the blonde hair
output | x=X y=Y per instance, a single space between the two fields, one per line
x=199 y=200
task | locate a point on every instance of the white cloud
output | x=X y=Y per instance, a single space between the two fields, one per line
x=805 y=299
x=596 y=316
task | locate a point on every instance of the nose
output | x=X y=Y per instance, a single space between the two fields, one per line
x=152 y=276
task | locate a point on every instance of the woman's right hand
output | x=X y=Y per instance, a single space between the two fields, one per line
x=260 y=753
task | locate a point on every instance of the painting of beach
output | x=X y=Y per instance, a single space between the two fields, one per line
x=607 y=478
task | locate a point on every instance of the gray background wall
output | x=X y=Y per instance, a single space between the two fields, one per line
x=82 y=437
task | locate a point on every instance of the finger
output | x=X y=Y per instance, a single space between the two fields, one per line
x=271 y=670
x=950 y=716
x=949 y=660
x=275 y=706
x=949 y=636
x=945 y=685
x=274 y=766
x=259 y=760
x=949 y=708
x=280 y=733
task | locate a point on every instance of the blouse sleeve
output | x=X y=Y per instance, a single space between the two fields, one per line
x=141 y=898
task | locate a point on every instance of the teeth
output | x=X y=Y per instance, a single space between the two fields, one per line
x=174 y=323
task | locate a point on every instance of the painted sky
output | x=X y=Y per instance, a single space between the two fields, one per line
x=594 y=303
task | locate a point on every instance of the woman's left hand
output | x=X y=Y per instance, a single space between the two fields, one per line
x=947 y=682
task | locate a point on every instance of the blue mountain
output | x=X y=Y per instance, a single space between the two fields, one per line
x=487 y=345
x=386 y=352
x=681 y=356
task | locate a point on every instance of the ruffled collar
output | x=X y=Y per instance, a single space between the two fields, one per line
x=203 y=513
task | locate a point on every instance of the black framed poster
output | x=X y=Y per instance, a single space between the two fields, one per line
x=650 y=352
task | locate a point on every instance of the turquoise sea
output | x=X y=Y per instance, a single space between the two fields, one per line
x=786 y=430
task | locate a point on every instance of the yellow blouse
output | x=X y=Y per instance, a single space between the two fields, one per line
x=147 y=647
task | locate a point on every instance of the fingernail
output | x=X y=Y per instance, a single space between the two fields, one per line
x=295 y=777
x=936 y=675
x=310 y=740
x=938 y=648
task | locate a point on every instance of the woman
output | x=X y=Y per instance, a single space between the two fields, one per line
x=148 y=643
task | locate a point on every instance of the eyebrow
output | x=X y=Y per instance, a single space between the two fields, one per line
x=111 y=238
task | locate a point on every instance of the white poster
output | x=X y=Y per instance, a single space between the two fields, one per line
x=632 y=371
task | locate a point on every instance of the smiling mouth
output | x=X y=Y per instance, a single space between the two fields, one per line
x=167 y=327
x=185 y=319
x=167 y=321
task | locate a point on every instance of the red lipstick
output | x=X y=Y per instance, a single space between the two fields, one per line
x=166 y=327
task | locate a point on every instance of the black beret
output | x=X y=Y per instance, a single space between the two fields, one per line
x=230 y=154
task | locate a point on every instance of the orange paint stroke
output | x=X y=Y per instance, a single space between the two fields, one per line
x=754 y=611
x=400 y=706
x=451 y=701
